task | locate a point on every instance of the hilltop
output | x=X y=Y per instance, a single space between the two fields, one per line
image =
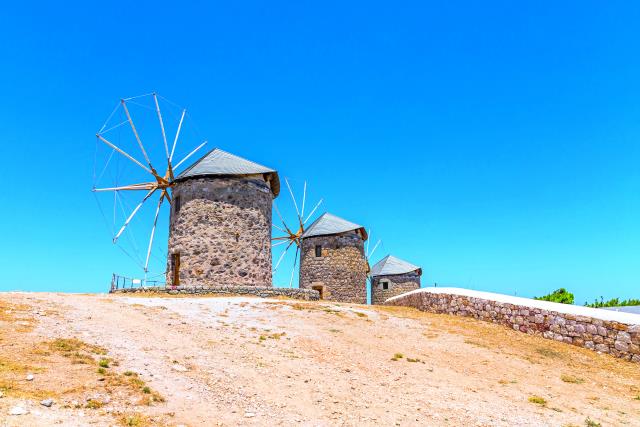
x=146 y=360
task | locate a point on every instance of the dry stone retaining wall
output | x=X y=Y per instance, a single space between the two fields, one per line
x=222 y=231
x=620 y=339
x=259 y=291
x=398 y=284
x=341 y=270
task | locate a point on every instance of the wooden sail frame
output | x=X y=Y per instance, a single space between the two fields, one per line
x=160 y=183
x=292 y=235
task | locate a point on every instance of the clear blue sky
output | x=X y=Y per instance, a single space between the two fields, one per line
x=496 y=144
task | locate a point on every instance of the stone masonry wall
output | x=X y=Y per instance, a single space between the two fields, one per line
x=341 y=270
x=398 y=284
x=618 y=339
x=258 y=291
x=222 y=231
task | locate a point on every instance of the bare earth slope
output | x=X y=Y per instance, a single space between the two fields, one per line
x=109 y=360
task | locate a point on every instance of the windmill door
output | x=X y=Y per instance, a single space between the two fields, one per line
x=175 y=270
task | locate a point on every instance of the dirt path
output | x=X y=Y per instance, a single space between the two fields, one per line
x=246 y=361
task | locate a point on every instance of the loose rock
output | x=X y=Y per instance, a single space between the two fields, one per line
x=18 y=410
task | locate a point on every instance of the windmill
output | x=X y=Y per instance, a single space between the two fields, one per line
x=143 y=180
x=294 y=230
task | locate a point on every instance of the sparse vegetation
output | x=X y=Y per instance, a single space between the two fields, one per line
x=572 y=379
x=397 y=357
x=476 y=343
x=547 y=352
x=103 y=363
x=559 y=295
x=590 y=423
x=133 y=420
x=538 y=400
x=94 y=404
x=613 y=302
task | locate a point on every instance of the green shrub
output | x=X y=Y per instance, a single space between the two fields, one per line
x=559 y=295
x=613 y=302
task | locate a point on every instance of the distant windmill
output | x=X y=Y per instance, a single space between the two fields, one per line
x=293 y=230
x=158 y=147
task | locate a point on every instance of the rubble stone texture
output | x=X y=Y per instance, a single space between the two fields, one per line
x=615 y=338
x=398 y=284
x=222 y=231
x=258 y=291
x=341 y=271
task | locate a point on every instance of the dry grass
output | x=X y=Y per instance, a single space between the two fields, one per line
x=134 y=420
x=571 y=379
x=538 y=400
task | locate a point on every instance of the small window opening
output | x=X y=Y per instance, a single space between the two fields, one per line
x=384 y=284
x=318 y=250
x=177 y=204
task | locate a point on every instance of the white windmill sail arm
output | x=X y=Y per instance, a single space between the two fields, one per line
x=164 y=136
x=135 y=132
x=278 y=227
x=281 y=257
x=280 y=243
x=175 y=141
x=295 y=262
x=292 y=198
x=281 y=219
x=304 y=199
x=313 y=211
x=119 y=150
x=126 y=223
x=142 y=186
x=374 y=249
x=189 y=155
x=153 y=231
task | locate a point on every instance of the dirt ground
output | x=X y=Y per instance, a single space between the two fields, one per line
x=141 y=361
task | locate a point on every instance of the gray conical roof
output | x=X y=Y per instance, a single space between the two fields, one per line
x=219 y=162
x=329 y=224
x=391 y=265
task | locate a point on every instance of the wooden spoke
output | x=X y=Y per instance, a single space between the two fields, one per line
x=175 y=141
x=293 y=198
x=128 y=156
x=304 y=198
x=153 y=231
x=126 y=223
x=374 y=249
x=281 y=219
x=135 y=132
x=312 y=212
x=189 y=155
x=279 y=228
x=281 y=257
x=295 y=261
x=143 y=186
x=164 y=136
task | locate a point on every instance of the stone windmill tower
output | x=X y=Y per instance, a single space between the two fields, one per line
x=332 y=259
x=220 y=225
x=392 y=276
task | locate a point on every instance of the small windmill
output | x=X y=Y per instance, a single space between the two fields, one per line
x=290 y=236
x=155 y=183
